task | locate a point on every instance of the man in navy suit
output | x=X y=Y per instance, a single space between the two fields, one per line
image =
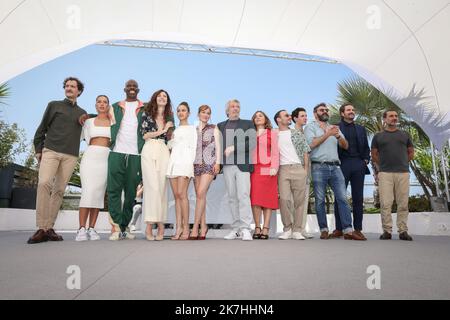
x=354 y=162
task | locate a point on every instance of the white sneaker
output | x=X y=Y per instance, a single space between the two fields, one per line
x=115 y=236
x=286 y=235
x=81 y=235
x=234 y=234
x=127 y=235
x=298 y=236
x=307 y=235
x=246 y=235
x=93 y=235
x=132 y=228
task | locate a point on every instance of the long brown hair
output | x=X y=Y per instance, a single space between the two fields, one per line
x=152 y=107
x=267 y=123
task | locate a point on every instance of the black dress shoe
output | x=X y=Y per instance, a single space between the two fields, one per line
x=53 y=236
x=38 y=237
x=386 y=236
x=405 y=236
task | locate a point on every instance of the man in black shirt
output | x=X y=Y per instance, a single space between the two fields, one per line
x=56 y=144
x=392 y=150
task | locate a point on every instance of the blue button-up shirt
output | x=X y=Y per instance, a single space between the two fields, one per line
x=328 y=150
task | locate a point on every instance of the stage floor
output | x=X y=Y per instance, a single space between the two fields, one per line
x=220 y=269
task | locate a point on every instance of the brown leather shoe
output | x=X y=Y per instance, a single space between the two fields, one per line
x=353 y=236
x=53 y=236
x=324 y=235
x=360 y=234
x=336 y=234
x=38 y=237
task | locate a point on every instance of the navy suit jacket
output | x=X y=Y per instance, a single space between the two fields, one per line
x=363 y=143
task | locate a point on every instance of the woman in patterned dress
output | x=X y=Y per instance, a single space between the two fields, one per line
x=206 y=167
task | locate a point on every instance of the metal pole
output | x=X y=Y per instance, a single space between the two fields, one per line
x=433 y=158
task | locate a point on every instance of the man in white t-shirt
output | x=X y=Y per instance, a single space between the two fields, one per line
x=294 y=161
x=124 y=162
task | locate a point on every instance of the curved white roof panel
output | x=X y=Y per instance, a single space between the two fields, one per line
x=400 y=46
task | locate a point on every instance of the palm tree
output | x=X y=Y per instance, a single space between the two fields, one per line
x=4 y=92
x=370 y=104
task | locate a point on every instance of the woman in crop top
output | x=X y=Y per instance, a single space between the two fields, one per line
x=94 y=168
x=157 y=124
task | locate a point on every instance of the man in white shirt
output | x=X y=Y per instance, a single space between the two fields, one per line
x=294 y=161
x=124 y=162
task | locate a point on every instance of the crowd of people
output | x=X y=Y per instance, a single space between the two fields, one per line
x=135 y=150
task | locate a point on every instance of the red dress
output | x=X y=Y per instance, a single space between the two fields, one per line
x=264 y=187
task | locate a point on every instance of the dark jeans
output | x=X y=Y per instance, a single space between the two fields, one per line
x=323 y=175
x=354 y=171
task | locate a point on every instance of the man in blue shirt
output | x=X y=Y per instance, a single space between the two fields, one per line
x=323 y=139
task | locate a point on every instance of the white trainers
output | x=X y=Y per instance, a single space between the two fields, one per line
x=298 y=236
x=132 y=228
x=286 y=235
x=93 y=235
x=234 y=234
x=246 y=235
x=307 y=235
x=81 y=235
x=115 y=236
x=128 y=235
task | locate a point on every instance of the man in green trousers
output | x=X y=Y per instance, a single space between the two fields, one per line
x=124 y=162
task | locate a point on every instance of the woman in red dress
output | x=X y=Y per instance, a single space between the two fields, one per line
x=264 y=181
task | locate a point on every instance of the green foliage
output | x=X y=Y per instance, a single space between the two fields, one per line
x=419 y=204
x=370 y=104
x=12 y=142
x=4 y=92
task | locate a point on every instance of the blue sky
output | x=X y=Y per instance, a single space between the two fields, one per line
x=198 y=78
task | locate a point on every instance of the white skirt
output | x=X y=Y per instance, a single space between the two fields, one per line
x=93 y=174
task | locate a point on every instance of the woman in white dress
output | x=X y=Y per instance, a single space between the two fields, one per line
x=94 y=168
x=180 y=169
x=157 y=124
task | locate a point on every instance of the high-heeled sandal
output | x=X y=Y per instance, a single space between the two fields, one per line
x=204 y=236
x=265 y=236
x=176 y=236
x=257 y=235
x=191 y=237
x=182 y=237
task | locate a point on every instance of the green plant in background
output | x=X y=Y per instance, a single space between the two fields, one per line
x=12 y=142
x=75 y=179
x=4 y=92
x=370 y=103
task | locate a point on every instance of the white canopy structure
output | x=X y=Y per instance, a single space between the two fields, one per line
x=400 y=46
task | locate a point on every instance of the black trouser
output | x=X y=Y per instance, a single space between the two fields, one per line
x=354 y=171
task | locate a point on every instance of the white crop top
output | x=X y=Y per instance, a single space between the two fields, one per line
x=90 y=130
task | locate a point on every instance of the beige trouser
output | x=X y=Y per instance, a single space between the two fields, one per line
x=305 y=206
x=394 y=185
x=292 y=188
x=55 y=171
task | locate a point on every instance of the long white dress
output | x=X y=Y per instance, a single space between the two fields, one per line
x=94 y=167
x=184 y=148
